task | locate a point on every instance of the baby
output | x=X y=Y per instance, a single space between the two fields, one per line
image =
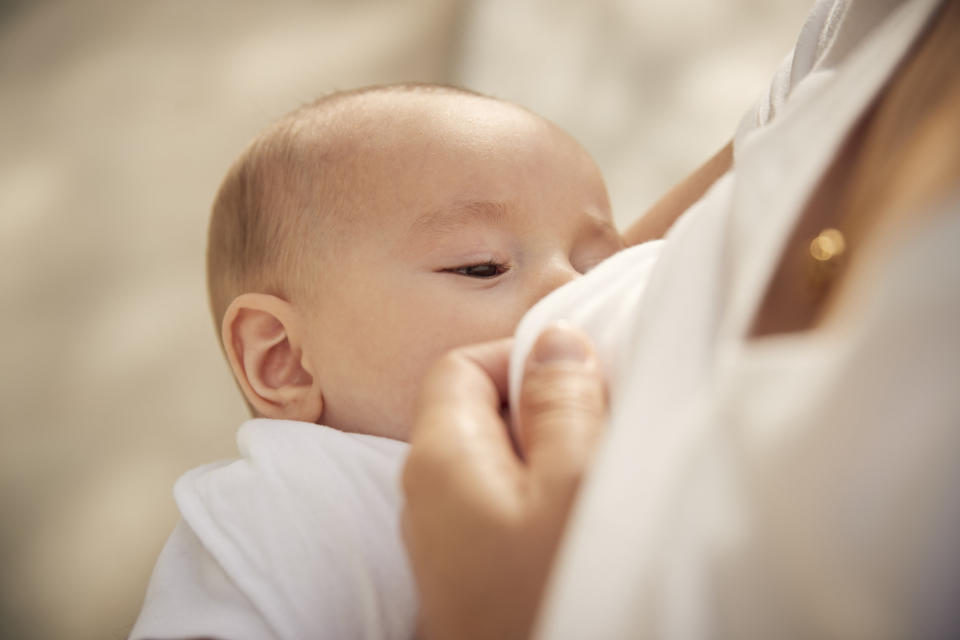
x=353 y=242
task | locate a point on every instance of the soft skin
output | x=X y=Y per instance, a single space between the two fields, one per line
x=467 y=210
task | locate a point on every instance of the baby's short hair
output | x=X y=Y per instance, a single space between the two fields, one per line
x=269 y=210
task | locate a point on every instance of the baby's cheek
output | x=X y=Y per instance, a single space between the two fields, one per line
x=492 y=322
x=421 y=341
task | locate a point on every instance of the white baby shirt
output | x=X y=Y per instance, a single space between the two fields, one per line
x=298 y=538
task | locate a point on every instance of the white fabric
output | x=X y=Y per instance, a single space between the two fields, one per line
x=799 y=485
x=610 y=297
x=299 y=538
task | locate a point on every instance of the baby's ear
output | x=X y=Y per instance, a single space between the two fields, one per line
x=263 y=340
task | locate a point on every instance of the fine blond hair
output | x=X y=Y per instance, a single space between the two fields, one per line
x=270 y=210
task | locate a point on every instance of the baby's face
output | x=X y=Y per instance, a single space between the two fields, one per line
x=472 y=210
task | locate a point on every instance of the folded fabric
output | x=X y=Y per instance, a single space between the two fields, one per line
x=299 y=538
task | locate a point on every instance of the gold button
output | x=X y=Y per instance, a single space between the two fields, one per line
x=828 y=245
x=826 y=253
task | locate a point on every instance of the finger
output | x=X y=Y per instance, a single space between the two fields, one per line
x=465 y=381
x=562 y=405
x=457 y=419
x=494 y=359
x=461 y=464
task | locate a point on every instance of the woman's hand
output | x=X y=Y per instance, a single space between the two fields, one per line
x=482 y=525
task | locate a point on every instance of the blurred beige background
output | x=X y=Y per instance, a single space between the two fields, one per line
x=117 y=120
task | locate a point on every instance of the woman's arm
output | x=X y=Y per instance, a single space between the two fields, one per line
x=661 y=216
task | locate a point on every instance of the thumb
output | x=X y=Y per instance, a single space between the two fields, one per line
x=562 y=406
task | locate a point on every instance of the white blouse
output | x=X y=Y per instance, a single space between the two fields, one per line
x=795 y=485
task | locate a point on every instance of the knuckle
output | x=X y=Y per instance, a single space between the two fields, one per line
x=435 y=382
x=445 y=366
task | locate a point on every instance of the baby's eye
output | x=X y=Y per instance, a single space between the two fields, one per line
x=484 y=270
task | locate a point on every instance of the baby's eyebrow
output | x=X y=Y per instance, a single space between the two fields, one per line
x=451 y=218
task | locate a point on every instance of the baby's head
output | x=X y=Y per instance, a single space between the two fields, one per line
x=363 y=235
